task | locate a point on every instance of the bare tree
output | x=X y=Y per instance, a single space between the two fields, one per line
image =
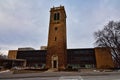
x=109 y=37
x=2 y=56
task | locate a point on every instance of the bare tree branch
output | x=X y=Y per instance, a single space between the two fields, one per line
x=109 y=37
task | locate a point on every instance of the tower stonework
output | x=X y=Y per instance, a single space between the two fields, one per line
x=56 y=51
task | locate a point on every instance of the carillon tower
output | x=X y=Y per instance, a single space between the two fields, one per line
x=57 y=46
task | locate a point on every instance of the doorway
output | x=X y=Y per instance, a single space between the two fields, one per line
x=54 y=64
x=54 y=61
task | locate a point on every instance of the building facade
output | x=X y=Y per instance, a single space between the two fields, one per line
x=99 y=58
x=34 y=58
x=81 y=58
x=103 y=58
x=56 y=51
x=57 y=56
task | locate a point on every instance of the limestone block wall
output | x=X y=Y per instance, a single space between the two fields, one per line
x=103 y=58
x=12 y=54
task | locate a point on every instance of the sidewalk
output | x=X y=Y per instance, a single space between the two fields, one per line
x=10 y=75
x=4 y=71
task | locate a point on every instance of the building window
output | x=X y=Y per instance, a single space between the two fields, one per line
x=55 y=38
x=56 y=16
x=56 y=28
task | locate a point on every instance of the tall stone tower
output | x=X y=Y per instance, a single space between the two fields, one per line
x=56 y=53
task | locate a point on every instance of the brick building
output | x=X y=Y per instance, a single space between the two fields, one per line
x=57 y=56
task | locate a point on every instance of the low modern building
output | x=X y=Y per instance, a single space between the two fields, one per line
x=10 y=63
x=76 y=58
x=56 y=55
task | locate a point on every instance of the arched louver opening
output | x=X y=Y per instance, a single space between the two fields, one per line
x=56 y=16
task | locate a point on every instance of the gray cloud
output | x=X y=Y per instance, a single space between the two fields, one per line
x=25 y=23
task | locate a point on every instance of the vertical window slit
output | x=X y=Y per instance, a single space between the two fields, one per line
x=55 y=38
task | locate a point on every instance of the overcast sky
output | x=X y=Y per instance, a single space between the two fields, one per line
x=25 y=23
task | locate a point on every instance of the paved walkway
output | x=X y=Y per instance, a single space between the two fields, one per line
x=10 y=75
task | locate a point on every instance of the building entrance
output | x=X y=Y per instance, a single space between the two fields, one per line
x=54 y=64
x=54 y=61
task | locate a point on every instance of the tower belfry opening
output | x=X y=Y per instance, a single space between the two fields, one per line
x=57 y=39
